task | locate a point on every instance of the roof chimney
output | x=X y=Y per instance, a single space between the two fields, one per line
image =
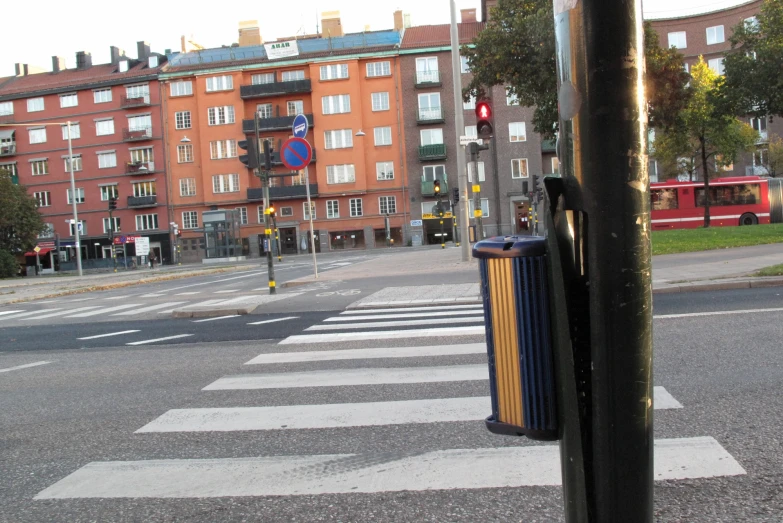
x=330 y=24
x=21 y=69
x=249 y=34
x=143 y=50
x=83 y=60
x=58 y=64
x=467 y=15
x=398 y=20
x=116 y=53
x=486 y=9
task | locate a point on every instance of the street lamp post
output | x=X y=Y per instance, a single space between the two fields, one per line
x=73 y=202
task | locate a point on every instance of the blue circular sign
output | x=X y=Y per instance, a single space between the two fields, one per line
x=300 y=126
x=296 y=153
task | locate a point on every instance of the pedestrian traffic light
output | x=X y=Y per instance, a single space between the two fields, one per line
x=483 y=118
x=112 y=203
x=268 y=148
x=456 y=194
x=251 y=158
x=436 y=187
x=271 y=210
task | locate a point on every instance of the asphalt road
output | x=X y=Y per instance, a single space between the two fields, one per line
x=87 y=402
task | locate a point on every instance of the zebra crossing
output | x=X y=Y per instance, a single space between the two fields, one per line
x=311 y=371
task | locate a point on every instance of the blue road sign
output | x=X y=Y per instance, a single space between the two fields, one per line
x=300 y=126
x=296 y=153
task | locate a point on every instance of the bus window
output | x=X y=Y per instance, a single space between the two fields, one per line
x=741 y=194
x=663 y=199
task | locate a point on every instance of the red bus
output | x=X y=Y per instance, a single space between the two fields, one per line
x=745 y=200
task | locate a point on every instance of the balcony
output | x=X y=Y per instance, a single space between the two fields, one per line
x=280 y=123
x=548 y=146
x=428 y=188
x=432 y=152
x=763 y=137
x=8 y=149
x=426 y=79
x=127 y=102
x=137 y=134
x=275 y=89
x=428 y=116
x=137 y=202
x=756 y=170
x=285 y=192
x=139 y=167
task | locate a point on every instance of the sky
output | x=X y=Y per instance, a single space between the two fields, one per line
x=34 y=32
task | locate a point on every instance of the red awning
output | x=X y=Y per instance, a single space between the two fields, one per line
x=41 y=253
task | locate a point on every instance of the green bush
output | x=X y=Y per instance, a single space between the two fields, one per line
x=8 y=266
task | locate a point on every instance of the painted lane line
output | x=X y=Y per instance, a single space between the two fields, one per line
x=716 y=313
x=80 y=299
x=62 y=313
x=112 y=298
x=153 y=295
x=107 y=335
x=143 y=342
x=414 y=309
x=208 y=282
x=150 y=308
x=275 y=320
x=663 y=400
x=217 y=318
x=675 y=459
x=203 y=303
x=167 y=311
x=382 y=335
x=24 y=314
x=226 y=291
x=26 y=366
x=241 y=277
x=3 y=313
x=188 y=293
x=405 y=315
x=352 y=377
x=401 y=323
x=369 y=354
x=104 y=310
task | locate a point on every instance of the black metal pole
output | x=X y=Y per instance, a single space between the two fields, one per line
x=604 y=215
x=264 y=175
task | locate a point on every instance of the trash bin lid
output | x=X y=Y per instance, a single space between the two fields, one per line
x=510 y=247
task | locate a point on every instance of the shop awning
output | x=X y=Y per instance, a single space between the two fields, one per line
x=40 y=253
x=6 y=134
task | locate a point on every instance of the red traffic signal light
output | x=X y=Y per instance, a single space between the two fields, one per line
x=483 y=118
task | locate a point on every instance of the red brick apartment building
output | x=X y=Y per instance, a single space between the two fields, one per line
x=118 y=148
x=707 y=35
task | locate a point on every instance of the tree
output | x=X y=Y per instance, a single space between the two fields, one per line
x=517 y=49
x=754 y=75
x=704 y=135
x=773 y=159
x=20 y=222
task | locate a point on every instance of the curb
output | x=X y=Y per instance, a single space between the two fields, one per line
x=211 y=313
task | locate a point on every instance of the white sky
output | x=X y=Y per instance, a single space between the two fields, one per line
x=33 y=32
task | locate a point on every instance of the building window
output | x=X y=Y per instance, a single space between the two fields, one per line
x=431 y=136
x=464 y=67
x=481 y=176
x=387 y=204
x=35 y=104
x=308 y=212
x=334 y=72
x=470 y=104
x=716 y=64
x=339 y=139
x=715 y=35
x=289 y=76
x=143 y=155
x=107 y=160
x=380 y=101
x=77 y=163
x=75 y=131
x=116 y=225
x=144 y=189
x=181 y=88
x=286 y=211
x=511 y=98
x=356 y=207
x=519 y=168
x=104 y=127
x=223 y=183
x=44 y=198
x=678 y=40
x=242 y=215
x=383 y=136
x=264 y=110
x=101 y=96
x=48 y=231
x=471 y=131
x=146 y=222
x=336 y=104
x=340 y=174
x=109 y=191
x=187 y=187
x=484 y=207
x=260 y=211
x=429 y=106
x=8 y=169
x=295 y=107
x=82 y=228
x=427 y=70
x=6 y=108
x=223 y=149
x=182 y=120
x=516 y=132
x=40 y=167
x=79 y=195
x=190 y=220
x=69 y=100
x=37 y=135
x=262 y=78
x=332 y=209
x=760 y=125
x=185 y=153
x=220 y=83
x=138 y=92
x=378 y=69
x=220 y=115
x=384 y=170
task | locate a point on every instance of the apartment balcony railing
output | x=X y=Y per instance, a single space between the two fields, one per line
x=8 y=149
x=763 y=137
x=279 y=123
x=431 y=115
x=136 y=202
x=427 y=79
x=137 y=134
x=139 y=167
x=127 y=102
x=432 y=152
x=428 y=188
x=275 y=89
x=548 y=146
x=756 y=170
x=285 y=192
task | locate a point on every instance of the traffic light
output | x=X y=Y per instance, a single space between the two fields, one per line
x=112 y=203
x=484 y=118
x=474 y=149
x=271 y=210
x=436 y=187
x=456 y=194
x=251 y=158
x=268 y=148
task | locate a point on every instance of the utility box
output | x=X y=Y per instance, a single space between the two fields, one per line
x=515 y=293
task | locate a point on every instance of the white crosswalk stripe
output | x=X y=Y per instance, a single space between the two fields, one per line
x=61 y=313
x=25 y=314
x=104 y=310
x=151 y=308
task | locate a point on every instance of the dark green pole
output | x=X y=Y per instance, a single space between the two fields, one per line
x=264 y=169
x=601 y=211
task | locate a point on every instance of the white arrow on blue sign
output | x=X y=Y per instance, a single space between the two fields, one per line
x=300 y=126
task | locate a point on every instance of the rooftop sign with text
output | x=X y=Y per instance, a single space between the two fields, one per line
x=277 y=50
